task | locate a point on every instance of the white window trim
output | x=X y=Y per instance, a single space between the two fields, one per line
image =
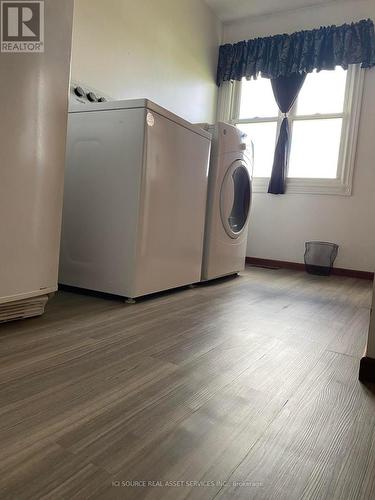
x=228 y=111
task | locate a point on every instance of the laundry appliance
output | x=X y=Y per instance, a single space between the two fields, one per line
x=135 y=198
x=34 y=110
x=228 y=202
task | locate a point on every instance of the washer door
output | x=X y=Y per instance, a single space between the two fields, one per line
x=235 y=199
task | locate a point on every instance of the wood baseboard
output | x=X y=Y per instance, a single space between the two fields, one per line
x=296 y=266
x=367 y=370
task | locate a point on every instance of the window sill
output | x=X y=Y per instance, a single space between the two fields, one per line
x=307 y=186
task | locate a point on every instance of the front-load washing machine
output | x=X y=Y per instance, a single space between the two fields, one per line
x=228 y=202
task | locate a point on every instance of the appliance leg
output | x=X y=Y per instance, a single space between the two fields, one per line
x=129 y=301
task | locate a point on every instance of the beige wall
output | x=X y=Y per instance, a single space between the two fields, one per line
x=281 y=224
x=165 y=50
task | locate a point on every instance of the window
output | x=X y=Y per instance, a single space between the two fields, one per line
x=259 y=122
x=316 y=121
x=323 y=125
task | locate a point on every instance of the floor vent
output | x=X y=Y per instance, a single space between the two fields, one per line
x=21 y=309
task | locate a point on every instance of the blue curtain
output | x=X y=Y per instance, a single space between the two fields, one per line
x=285 y=90
x=301 y=52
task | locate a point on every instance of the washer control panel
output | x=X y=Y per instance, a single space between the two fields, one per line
x=83 y=94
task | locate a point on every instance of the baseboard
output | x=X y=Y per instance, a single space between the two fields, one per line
x=367 y=370
x=296 y=266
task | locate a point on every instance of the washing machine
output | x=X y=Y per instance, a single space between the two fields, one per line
x=228 y=202
x=135 y=197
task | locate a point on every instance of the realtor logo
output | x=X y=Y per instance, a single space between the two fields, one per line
x=22 y=26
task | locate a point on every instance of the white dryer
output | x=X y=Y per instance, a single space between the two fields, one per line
x=228 y=203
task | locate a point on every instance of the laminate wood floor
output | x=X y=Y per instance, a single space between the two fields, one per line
x=245 y=388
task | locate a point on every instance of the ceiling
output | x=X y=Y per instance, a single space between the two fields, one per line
x=230 y=10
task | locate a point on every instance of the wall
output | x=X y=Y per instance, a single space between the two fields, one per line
x=164 y=50
x=371 y=335
x=281 y=224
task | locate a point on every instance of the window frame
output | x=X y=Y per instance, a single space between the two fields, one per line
x=229 y=111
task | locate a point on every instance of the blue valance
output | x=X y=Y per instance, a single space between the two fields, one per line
x=300 y=52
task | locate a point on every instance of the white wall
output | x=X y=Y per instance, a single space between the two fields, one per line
x=281 y=224
x=165 y=50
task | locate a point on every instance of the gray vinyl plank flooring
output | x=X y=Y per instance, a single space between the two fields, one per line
x=244 y=388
